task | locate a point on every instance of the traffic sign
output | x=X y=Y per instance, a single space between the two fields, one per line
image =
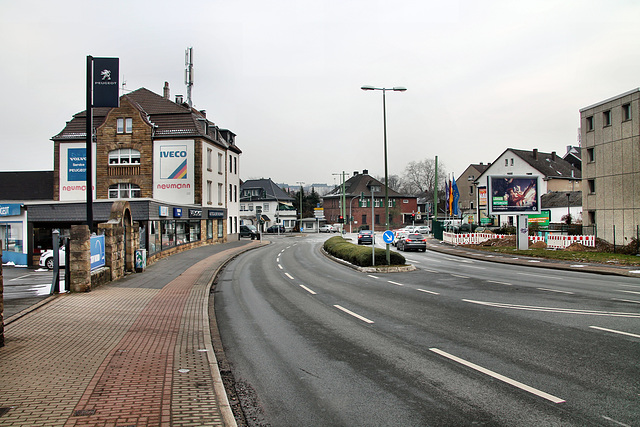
x=388 y=236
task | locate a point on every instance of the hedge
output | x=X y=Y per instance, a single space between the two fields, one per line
x=359 y=255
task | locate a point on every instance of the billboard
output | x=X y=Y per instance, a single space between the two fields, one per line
x=173 y=171
x=513 y=195
x=72 y=178
x=105 y=82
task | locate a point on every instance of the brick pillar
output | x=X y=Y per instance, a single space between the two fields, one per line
x=80 y=259
x=113 y=248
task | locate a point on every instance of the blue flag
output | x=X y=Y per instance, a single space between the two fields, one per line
x=456 y=196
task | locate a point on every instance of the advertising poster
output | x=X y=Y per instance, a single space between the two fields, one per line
x=513 y=195
x=173 y=171
x=73 y=171
x=482 y=196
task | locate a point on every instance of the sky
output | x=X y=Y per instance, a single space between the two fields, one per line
x=285 y=75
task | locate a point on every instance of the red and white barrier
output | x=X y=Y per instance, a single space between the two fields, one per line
x=558 y=241
x=554 y=241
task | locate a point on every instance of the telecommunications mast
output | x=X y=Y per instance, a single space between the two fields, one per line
x=188 y=72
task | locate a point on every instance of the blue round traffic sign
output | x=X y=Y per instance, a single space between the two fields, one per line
x=388 y=236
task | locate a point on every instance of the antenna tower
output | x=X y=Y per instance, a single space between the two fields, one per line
x=188 y=72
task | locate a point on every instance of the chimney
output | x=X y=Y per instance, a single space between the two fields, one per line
x=553 y=156
x=165 y=91
x=535 y=154
x=178 y=99
x=355 y=173
x=365 y=172
x=204 y=113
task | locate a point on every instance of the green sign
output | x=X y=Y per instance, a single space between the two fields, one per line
x=542 y=219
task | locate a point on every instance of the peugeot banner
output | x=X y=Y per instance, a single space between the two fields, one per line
x=105 y=82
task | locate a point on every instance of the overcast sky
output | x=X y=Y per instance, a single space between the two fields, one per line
x=285 y=75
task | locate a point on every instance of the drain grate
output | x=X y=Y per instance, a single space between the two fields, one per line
x=84 y=412
x=4 y=411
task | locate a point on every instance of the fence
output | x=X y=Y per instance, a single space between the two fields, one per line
x=553 y=241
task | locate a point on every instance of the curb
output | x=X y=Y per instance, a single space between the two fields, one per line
x=381 y=269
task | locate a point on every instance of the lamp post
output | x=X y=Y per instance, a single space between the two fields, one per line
x=386 y=170
x=300 y=224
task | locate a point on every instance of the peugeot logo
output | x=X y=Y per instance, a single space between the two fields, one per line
x=106 y=74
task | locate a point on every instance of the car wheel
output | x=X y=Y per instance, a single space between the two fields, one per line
x=49 y=263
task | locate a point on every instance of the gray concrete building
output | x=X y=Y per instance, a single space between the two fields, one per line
x=610 y=139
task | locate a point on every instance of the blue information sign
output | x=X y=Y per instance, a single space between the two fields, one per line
x=388 y=236
x=97 y=252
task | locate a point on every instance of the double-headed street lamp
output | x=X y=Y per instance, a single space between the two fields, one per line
x=386 y=170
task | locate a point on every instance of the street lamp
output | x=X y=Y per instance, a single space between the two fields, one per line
x=386 y=170
x=300 y=224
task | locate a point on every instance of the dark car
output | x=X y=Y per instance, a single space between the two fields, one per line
x=413 y=241
x=249 y=231
x=365 y=237
x=274 y=229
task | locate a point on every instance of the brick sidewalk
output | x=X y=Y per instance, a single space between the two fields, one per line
x=117 y=356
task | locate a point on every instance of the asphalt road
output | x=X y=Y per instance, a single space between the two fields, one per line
x=24 y=287
x=457 y=342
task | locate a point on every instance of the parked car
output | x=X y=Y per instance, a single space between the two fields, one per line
x=249 y=231
x=274 y=229
x=413 y=241
x=365 y=237
x=327 y=228
x=46 y=258
x=424 y=229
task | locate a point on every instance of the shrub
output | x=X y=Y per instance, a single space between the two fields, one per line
x=359 y=255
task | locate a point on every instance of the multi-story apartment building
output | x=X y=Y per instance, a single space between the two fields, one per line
x=177 y=169
x=275 y=205
x=610 y=136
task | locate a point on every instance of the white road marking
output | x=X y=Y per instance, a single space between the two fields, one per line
x=430 y=271
x=289 y=276
x=630 y=292
x=500 y=377
x=500 y=283
x=577 y=266
x=475 y=266
x=429 y=292
x=375 y=277
x=280 y=267
x=540 y=275
x=615 y=332
x=615 y=422
x=21 y=277
x=413 y=260
x=395 y=283
x=534 y=260
x=555 y=290
x=307 y=289
x=554 y=309
x=625 y=300
x=460 y=276
x=364 y=319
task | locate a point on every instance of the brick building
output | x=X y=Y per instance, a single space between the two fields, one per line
x=358 y=209
x=178 y=170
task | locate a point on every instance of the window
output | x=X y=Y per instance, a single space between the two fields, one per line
x=209 y=159
x=511 y=162
x=230 y=192
x=377 y=219
x=235 y=193
x=626 y=112
x=124 y=156
x=124 y=190
x=364 y=218
x=592 y=217
x=589 y=123
x=235 y=165
x=590 y=155
x=592 y=186
x=265 y=207
x=606 y=118
x=506 y=162
x=220 y=164
x=124 y=125
x=209 y=184
x=220 y=191
x=230 y=163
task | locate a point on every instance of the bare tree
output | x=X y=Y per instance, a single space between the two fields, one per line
x=395 y=182
x=419 y=177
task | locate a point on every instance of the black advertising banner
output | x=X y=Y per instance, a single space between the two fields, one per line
x=105 y=82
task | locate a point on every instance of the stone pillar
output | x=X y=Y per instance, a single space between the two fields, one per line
x=80 y=259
